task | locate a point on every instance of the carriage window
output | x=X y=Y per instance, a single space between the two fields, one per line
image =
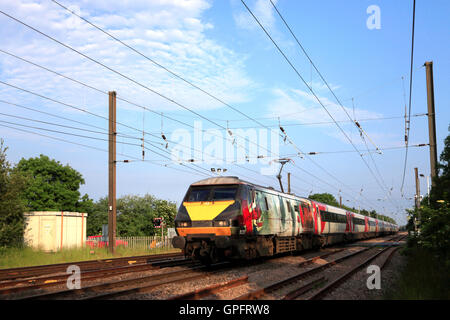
x=288 y=205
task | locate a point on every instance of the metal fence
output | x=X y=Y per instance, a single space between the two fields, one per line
x=151 y=242
x=145 y=242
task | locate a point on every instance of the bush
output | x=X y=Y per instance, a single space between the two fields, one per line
x=12 y=220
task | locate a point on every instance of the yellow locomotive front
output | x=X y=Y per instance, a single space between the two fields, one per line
x=210 y=218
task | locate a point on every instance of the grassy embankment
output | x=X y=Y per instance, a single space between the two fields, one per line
x=423 y=277
x=24 y=257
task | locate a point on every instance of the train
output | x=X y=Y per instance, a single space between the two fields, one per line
x=223 y=218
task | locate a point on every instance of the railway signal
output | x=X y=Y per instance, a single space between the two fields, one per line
x=157 y=222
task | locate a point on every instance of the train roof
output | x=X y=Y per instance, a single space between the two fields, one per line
x=219 y=180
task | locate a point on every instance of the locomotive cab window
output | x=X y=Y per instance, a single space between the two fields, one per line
x=199 y=194
x=211 y=193
x=225 y=193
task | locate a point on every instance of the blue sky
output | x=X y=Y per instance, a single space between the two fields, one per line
x=219 y=47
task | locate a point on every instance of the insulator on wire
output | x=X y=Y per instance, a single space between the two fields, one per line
x=163 y=136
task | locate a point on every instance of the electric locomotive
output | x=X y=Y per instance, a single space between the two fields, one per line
x=226 y=217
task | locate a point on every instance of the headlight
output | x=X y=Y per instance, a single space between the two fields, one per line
x=183 y=224
x=221 y=223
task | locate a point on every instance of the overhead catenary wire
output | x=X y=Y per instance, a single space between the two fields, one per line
x=160 y=65
x=410 y=94
x=310 y=89
x=320 y=74
x=361 y=130
x=119 y=73
x=77 y=108
x=166 y=69
x=69 y=127
x=80 y=109
x=100 y=149
x=285 y=125
x=66 y=104
x=79 y=82
x=101 y=91
x=83 y=54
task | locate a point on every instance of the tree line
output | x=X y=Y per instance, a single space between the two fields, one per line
x=329 y=199
x=430 y=223
x=44 y=184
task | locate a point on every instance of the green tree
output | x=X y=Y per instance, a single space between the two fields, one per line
x=12 y=221
x=324 y=198
x=52 y=186
x=441 y=189
x=433 y=216
x=331 y=200
x=135 y=215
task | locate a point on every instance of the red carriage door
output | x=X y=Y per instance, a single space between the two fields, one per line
x=308 y=225
x=316 y=214
x=348 y=227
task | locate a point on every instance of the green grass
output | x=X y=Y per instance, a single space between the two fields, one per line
x=25 y=257
x=424 y=277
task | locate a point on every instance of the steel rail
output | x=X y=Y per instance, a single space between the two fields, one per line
x=268 y=289
x=55 y=280
x=199 y=293
x=85 y=265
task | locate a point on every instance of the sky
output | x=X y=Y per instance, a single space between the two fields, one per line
x=204 y=75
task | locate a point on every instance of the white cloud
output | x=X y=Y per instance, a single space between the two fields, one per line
x=298 y=106
x=262 y=9
x=169 y=31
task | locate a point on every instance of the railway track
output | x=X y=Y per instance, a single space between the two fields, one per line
x=35 y=271
x=199 y=293
x=26 y=287
x=312 y=284
x=117 y=288
x=134 y=278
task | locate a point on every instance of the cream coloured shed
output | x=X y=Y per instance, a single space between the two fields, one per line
x=55 y=230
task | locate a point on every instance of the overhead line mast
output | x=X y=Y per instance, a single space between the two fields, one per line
x=112 y=209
